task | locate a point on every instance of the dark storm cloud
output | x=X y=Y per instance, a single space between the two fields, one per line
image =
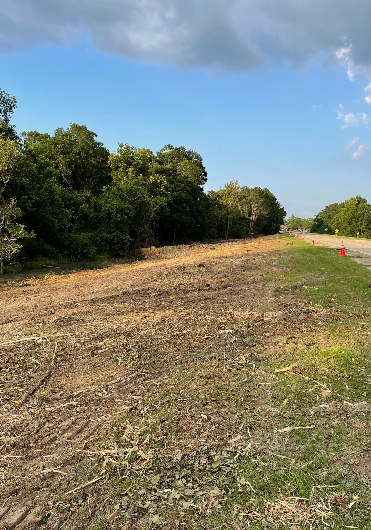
x=218 y=35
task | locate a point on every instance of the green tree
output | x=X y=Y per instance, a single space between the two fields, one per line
x=65 y=177
x=184 y=175
x=10 y=157
x=268 y=213
x=298 y=223
x=7 y=106
x=323 y=221
x=233 y=212
x=121 y=206
x=354 y=217
x=142 y=188
x=129 y=161
x=248 y=211
x=40 y=197
x=80 y=160
x=10 y=231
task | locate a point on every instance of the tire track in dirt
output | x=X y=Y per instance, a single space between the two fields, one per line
x=113 y=334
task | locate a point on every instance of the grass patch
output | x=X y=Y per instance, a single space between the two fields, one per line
x=266 y=425
x=330 y=280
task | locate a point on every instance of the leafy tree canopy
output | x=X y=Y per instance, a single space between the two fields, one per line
x=322 y=223
x=10 y=157
x=82 y=200
x=80 y=160
x=298 y=223
x=354 y=218
x=8 y=104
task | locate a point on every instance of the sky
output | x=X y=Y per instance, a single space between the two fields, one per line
x=272 y=93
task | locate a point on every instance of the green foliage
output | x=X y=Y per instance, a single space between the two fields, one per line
x=12 y=267
x=7 y=106
x=247 y=211
x=227 y=204
x=330 y=281
x=298 y=223
x=119 y=208
x=167 y=188
x=80 y=200
x=322 y=223
x=80 y=160
x=10 y=157
x=351 y=218
x=184 y=176
x=354 y=217
x=137 y=192
x=269 y=214
x=40 y=197
x=10 y=231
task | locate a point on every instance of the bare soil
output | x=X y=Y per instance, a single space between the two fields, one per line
x=81 y=350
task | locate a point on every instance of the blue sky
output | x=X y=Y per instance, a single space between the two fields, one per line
x=290 y=117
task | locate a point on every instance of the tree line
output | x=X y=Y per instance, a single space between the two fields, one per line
x=351 y=218
x=66 y=196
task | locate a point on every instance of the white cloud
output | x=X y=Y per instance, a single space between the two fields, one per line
x=362 y=150
x=222 y=35
x=368 y=89
x=344 y=56
x=351 y=143
x=350 y=119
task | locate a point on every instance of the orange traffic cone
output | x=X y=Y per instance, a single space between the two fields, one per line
x=312 y=241
x=342 y=250
x=302 y=238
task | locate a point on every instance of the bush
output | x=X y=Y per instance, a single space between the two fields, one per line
x=14 y=266
x=80 y=246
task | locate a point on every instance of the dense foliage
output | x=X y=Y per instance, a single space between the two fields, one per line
x=298 y=223
x=79 y=201
x=350 y=218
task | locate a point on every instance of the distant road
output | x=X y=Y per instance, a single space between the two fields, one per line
x=358 y=245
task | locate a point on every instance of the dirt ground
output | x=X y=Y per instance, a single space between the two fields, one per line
x=78 y=351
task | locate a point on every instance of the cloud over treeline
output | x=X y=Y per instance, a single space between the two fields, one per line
x=217 y=35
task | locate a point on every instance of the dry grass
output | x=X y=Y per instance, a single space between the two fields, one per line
x=158 y=392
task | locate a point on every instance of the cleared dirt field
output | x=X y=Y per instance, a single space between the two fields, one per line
x=160 y=341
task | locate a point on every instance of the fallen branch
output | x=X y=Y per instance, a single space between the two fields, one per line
x=25 y=339
x=289 y=429
x=62 y=406
x=53 y=470
x=9 y=342
x=284 y=457
x=82 y=486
